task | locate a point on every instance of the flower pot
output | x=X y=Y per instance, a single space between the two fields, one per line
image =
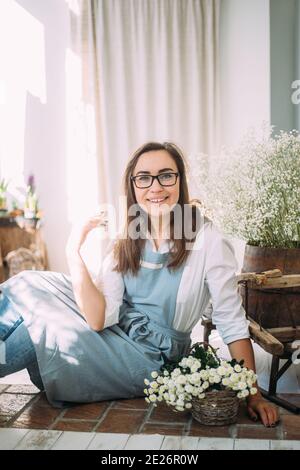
x=218 y=408
x=29 y=225
x=273 y=308
x=3 y=203
x=3 y=212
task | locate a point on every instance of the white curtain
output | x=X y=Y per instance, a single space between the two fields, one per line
x=148 y=71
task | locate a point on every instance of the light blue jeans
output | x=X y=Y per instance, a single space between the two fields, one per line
x=17 y=349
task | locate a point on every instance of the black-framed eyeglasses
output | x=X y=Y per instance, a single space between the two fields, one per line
x=145 y=181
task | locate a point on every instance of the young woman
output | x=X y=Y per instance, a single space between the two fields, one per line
x=85 y=340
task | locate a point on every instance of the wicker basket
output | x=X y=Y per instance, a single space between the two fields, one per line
x=217 y=408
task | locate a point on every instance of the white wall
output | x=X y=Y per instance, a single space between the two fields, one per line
x=245 y=67
x=45 y=145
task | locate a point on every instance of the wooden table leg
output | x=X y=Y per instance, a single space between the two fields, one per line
x=274 y=377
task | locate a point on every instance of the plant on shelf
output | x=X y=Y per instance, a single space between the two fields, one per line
x=3 y=196
x=16 y=211
x=31 y=217
x=31 y=209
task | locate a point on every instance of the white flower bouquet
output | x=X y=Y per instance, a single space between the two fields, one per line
x=195 y=376
x=252 y=192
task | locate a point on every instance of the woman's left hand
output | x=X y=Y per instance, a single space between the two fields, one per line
x=80 y=231
x=266 y=411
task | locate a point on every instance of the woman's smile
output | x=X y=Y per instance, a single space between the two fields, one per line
x=157 y=200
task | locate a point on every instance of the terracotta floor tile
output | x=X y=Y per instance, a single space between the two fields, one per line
x=10 y=404
x=132 y=404
x=74 y=425
x=42 y=400
x=23 y=388
x=153 y=428
x=243 y=417
x=122 y=421
x=198 y=429
x=291 y=426
x=164 y=413
x=36 y=417
x=88 y=411
x=256 y=432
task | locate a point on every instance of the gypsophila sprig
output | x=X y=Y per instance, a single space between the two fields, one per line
x=196 y=374
x=253 y=192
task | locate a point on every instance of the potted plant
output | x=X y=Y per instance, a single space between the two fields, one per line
x=16 y=211
x=32 y=214
x=253 y=193
x=31 y=200
x=204 y=384
x=3 y=197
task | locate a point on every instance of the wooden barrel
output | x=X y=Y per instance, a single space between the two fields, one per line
x=273 y=308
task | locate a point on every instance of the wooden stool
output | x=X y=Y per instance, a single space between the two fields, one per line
x=279 y=342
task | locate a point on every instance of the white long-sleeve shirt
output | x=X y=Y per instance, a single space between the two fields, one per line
x=209 y=274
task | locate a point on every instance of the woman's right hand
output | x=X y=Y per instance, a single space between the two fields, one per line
x=80 y=231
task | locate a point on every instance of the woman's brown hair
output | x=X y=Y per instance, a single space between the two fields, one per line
x=128 y=251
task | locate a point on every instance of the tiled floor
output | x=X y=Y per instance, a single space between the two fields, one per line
x=24 y=408
x=24 y=439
